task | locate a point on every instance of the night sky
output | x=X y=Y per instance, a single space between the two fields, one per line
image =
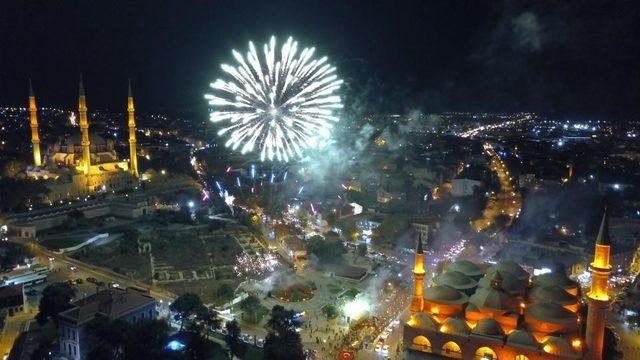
x=577 y=59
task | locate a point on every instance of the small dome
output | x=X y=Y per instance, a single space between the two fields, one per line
x=550 y=312
x=455 y=279
x=445 y=294
x=422 y=321
x=488 y=327
x=455 y=326
x=509 y=266
x=552 y=293
x=510 y=283
x=493 y=299
x=556 y=345
x=555 y=278
x=521 y=338
x=466 y=267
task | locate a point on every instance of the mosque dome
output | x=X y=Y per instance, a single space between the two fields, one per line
x=556 y=345
x=551 y=313
x=422 y=321
x=520 y=338
x=552 y=293
x=445 y=294
x=510 y=283
x=455 y=326
x=494 y=297
x=559 y=279
x=509 y=266
x=456 y=280
x=466 y=267
x=488 y=327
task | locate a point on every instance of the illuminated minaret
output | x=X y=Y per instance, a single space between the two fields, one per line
x=418 y=278
x=133 y=157
x=84 y=127
x=33 y=119
x=598 y=297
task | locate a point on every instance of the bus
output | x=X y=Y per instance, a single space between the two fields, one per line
x=27 y=277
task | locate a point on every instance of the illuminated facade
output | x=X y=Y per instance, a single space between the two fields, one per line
x=133 y=155
x=80 y=164
x=33 y=123
x=476 y=311
x=598 y=297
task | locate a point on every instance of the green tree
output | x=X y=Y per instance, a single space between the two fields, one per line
x=252 y=306
x=108 y=338
x=224 y=293
x=236 y=347
x=55 y=299
x=327 y=252
x=282 y=341
x=209 y=319
x=186 y=305
x=330 y=311
x=147 y=340
x=16 y=194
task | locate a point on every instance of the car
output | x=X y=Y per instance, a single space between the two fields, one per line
x=114 y=285
x=92 y=280
x=79 y=281
x=260 y=343
x=73 y=268
x=51 y=258
x=224 y=332
x=385 y=349
x=378 y=347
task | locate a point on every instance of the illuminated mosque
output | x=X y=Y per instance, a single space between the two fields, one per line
x=500 y=312
x=83 y=163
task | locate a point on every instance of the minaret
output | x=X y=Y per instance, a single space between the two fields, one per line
x=598 y=297
x=133 y=156
x=33 y=119
x=418 y=278
x=84 y=127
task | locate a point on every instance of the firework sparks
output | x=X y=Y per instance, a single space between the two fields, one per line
x=256 y=265
x=279 y=104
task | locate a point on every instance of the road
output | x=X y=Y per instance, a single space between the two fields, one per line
x=506 y=202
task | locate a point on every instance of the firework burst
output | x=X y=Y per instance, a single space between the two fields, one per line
x=279 y=104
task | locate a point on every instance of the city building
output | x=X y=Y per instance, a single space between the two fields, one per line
x=128 y=304
x=500 y=312
x=83 y=163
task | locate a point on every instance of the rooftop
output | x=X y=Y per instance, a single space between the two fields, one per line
x=112 y=303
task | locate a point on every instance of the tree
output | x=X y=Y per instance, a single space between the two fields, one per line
x=186 y=305
x=282 y=341
x=197 y=346
x=330 y=311
x=55 y=299
x=148 y=340
x=224 y=293
x=12 y=254
x=16 y=194
x=252 y=306
x=209 y=319
x=108 y=338
x=236 y=347
x=327 y=252
x=118 y=339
